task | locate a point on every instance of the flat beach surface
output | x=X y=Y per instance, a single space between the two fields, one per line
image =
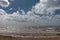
x=28 y=38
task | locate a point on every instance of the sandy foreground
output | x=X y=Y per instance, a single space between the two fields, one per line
x=30 y=38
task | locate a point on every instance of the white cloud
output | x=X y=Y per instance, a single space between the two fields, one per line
x=16 y=21
x=45 y=6
x=40 y=8
x=30 y=16
x=4 y=3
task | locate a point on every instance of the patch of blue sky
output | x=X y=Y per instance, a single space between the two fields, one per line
x=25 y=5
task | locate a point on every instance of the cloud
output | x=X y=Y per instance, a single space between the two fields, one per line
x=31 y=17
x=17 y=21
x=4 y=3
x=45 y=6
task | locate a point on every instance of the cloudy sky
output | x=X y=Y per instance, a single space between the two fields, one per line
x=20 y=13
